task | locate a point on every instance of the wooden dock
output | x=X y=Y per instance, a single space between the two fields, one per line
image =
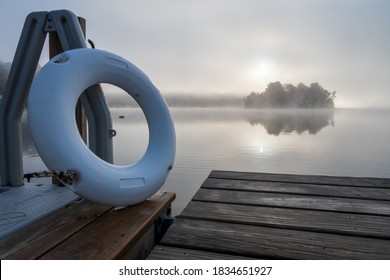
x=238 y=215
x=88 y=230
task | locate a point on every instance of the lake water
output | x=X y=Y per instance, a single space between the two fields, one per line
x=346 y=142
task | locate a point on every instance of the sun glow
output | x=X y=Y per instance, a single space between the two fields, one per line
x=262 y=69
x=261 y=149
x=258 y=73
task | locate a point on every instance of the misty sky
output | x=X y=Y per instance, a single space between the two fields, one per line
x=226 y=46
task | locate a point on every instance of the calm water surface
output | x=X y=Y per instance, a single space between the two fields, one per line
x=347 y=142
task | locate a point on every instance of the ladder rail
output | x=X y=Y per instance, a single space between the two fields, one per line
x=15 y=97
x=28 y=52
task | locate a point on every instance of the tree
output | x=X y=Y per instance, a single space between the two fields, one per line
x=277 y=95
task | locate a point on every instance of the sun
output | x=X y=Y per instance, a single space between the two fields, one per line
x=258 y=72
x=261 y=69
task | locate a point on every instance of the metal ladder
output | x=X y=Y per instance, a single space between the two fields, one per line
x=65 y=32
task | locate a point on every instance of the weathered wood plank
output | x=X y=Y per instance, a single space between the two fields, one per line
x=38 y=238
x=266 y=242
x=111 y=236
x=306 y=179
x=144 y=245
x=22 y=206
x=285 y=217
x=172 y=253
x=308 y=220
x=299 y=188
x=362 y=206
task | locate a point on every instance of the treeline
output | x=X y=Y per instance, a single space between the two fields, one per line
x=180 y=100
x=277 y=95
x=202 y=100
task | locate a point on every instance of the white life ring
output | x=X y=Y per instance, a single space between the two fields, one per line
x=51 y=110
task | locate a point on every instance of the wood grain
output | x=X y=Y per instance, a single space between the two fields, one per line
x=271 y=243
x=282 y=216
x=111 y=236
x=173 y=253
x=37 y=239
x=299 y=188
x=347 y=205
x=306 y=179
x=300 y=219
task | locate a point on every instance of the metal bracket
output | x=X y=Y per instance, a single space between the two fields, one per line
x=49 y=26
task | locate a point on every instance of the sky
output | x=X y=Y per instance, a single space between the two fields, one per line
x=235 y=47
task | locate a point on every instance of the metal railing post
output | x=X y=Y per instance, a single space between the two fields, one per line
x=21 y=75
x=70 y=35
x=14 y=99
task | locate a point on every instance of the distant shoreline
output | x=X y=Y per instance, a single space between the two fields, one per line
x=117 y=100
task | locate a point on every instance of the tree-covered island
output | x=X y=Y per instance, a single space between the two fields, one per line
x=277 y=95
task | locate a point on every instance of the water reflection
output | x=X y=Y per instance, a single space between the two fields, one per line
x=234 y=139
x=278 y=122
x=275 y=122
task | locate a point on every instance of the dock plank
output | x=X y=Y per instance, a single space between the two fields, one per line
x=172 y=253
x=283 y=216
x=110 y=236
x=89 y=230
x=300 y=219
x=306 y=179
x=299 y=188
x=271 y=243
x=37 y=239
x=24 y=205
x=348 y=205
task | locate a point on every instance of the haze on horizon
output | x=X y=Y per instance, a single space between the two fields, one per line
x=236 y=47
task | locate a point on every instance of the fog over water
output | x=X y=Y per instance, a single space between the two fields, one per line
x=343 y=142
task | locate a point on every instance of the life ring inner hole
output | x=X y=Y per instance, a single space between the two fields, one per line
x=130 y=132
